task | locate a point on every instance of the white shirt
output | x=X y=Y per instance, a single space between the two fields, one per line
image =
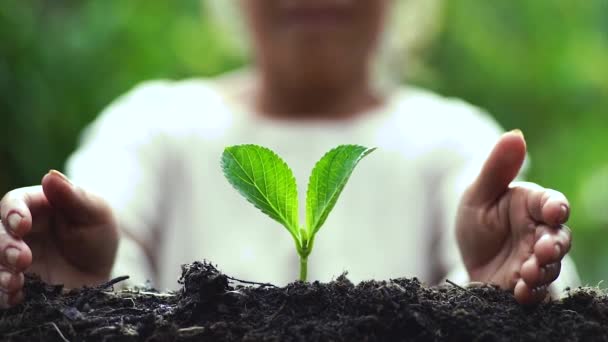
x=154 y=154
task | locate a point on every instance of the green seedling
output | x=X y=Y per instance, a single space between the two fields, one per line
x=266 y=181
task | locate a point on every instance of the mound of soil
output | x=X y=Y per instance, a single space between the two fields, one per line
x=214 y=307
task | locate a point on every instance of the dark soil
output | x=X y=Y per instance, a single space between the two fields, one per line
x=214 y=307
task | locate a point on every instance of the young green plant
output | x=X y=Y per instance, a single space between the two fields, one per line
x=266 y=181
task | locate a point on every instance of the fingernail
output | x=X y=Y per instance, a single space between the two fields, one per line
x=12 y=254
x=59 y=174
x=543 y=238
x=518 y=132
x=5 y=279
x=539 y=289
x=563 y=213
x=558 y=251
x=543 y=272
x=14 y=220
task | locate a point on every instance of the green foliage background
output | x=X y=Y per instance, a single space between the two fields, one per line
x=541 y=66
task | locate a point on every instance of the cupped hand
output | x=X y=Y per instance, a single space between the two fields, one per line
x=512 y=234
x=57 y=230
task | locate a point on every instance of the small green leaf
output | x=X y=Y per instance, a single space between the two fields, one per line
x=327 y=181
x=265 y=180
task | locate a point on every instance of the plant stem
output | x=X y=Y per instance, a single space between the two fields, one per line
x=303 y=267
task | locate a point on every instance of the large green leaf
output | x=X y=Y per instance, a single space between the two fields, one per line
x=327 y=181
x=265 y=180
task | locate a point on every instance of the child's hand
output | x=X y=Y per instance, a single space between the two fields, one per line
x=58 y=231
x=512 y=234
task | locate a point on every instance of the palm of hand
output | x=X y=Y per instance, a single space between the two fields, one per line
x=54 y=266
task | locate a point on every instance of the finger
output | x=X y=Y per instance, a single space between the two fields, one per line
x=524 y=294
x=547 y=206
x=534 y=274
x=76 y=205
x=10 y=282
x=499 y=170
x=15 y=254
x=8 y=300
x=565 y=238
x=531 y=271
x=551 y=244
x=20 y=206
x=549 y=273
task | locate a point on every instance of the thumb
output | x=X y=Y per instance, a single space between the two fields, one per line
x=500 y=169
x=75 y=204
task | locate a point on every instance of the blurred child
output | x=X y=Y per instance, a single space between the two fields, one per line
x=437 y=199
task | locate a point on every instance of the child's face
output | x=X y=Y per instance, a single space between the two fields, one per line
x=314 y=41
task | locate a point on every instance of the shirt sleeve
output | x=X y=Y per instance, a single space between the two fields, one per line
x=119 y=158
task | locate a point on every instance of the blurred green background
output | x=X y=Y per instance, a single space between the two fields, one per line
x=541 y=66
